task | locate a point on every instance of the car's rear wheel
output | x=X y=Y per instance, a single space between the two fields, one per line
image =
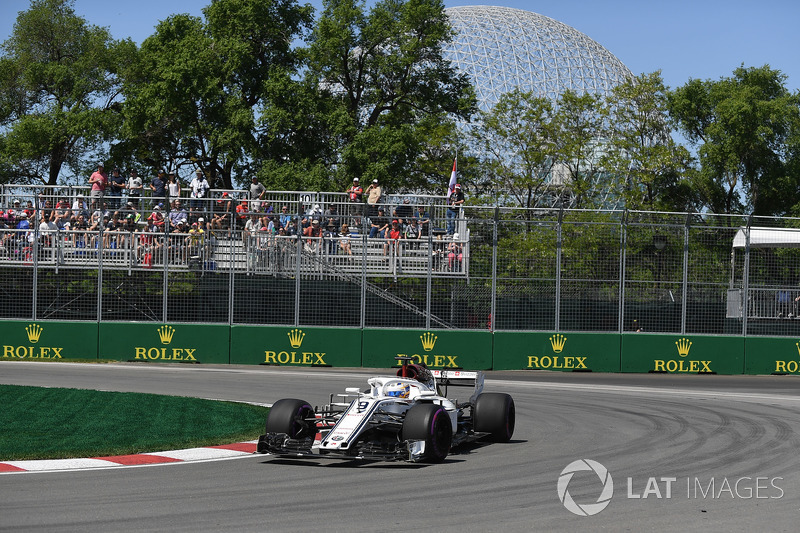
x=494 y=413
x=293 y=417
x=429 y=423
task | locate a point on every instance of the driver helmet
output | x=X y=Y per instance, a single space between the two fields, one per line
x=398 y=389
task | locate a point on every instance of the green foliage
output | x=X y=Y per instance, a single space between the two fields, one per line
x=382 y=76
x=59 y=83
x=194 y=96
x=746 y=130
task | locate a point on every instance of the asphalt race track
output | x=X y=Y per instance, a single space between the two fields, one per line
x=717 y=453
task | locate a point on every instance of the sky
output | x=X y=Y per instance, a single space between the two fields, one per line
x=700 y=39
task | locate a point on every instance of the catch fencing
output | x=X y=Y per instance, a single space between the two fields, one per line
x=506 y=270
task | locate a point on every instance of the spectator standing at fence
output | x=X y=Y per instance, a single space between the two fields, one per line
x=374 y=194
x=454 y=204
x=355 y=195
x=158 y=188
x=116 y=184
x=200 y=188
x=135 y=188
x=257 y=191
x=173 y=187
x=99 y=181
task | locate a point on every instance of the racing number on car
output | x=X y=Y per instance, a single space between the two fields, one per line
x=362 y=406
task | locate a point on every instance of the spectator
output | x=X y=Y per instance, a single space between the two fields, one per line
x=285 y=217
x=331 y=216
x=156 y=219
x=173 y=187
x=374 y=193
x=405 y=212
x=454 y=203
x=61 y=214
x=221 y=217
x=135 y=188
x=200 y=188
x=98 y=180
x=79 y=207
x=424 y=221
x=157 y=186
x=356 y=196
x=177 y=215
x=378 y=225
x=251 y=229
x=116 y=185
x=394 y=235
x=257 y=191
x=314 y=237
x=412 y=233
x=344 y=240
x=331 y=236
x=455 y=254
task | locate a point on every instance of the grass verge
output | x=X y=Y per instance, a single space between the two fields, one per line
x=55 y=423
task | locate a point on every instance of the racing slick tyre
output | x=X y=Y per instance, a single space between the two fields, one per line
x=291 y=416
x=494 y=413
x=429 y=423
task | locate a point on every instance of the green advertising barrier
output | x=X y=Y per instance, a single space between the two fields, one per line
x=688 y=354
x=167 y=343
x=566 y=352
x=468 y=350
x=254 y=345
x=769 y=355
x=48 y=341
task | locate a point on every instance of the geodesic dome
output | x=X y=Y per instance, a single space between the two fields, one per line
x=502 y=48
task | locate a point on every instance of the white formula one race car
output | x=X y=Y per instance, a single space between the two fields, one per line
x=407 y=417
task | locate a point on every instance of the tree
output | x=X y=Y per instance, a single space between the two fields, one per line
x=59 y=89
x=198 y=88
x=388 y=88
x=745 y=129
x=648 y=169
x=516 y=142
x=577 y=136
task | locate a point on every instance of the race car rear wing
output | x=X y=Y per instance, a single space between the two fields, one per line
x=458 y=378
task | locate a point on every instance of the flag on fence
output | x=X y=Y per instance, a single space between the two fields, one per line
x=453 y=175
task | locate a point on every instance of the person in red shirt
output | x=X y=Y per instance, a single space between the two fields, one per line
x=356 y=196
x=98 y=180
x=394 y=235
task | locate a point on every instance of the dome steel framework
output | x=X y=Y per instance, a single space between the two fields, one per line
x=502 y=48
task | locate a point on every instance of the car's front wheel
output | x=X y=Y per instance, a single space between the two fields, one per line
x=429 y=423
x=293 y=417
x=494 y=413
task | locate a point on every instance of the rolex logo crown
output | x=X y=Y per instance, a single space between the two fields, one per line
x=558 y=341
x=34 y=331
x=683 y=345
x=296 y=337
x=165 y=333
x=428 y=341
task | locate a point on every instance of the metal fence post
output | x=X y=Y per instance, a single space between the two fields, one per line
x=746 y=275
x=558 y=269
x=363 y=317
x=493 y=307
x=685 y=283
x=623 y=246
